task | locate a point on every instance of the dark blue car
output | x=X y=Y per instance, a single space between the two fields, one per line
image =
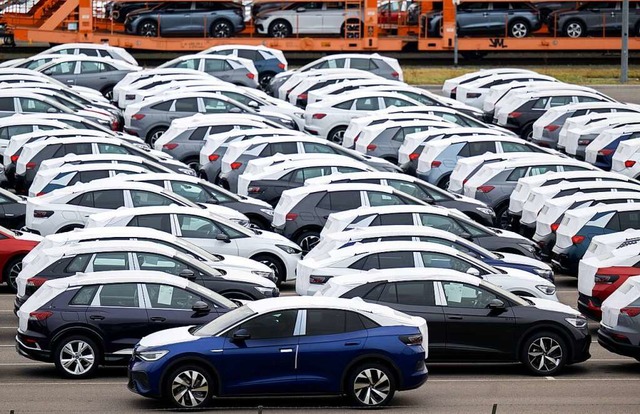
x=287 y=346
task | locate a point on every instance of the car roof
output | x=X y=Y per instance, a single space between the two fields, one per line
x=102 y=184
x=392 y=230
x=289 y=162
x=214 y=119
x=119 y=276
x=109 y=246
x=327 y=179
x=289 y=138
x=403 y=275
x=386 y=246
x=302 y=191
x=107 y=232
x=475 y=138
x=405 y=208
x=537 y=158
x=602 y=208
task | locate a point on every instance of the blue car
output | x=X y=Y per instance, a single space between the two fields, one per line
x=602 y=155
x=287 y=346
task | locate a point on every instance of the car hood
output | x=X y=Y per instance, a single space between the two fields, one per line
x=523 y=260
x=168 y=337
x=553 y=306
x=512 y=235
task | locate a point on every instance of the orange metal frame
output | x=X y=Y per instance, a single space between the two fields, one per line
x=70 y=21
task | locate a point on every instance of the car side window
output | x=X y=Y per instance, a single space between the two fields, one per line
x=121 y=295
x=88 y=176
x=78 y=264
x=514 y=147
x=367 y=263
x=217 y=106
x=274 y=325
x=441 y=223
x=91 y=67
x=367 y=104
x=105 y=261
x=314 y=147
x=392 y=260
x=303 y=174
x=462 y=295
x=517 y=174
x=394 y=219
x=152 y=261
x=112 y=149
x=560 y=101
x=279 y=148
x=148 y=199
x=6 y=104
x=36 y=106
x=359 y=63
x=84 y=296
x=186 y=105
x=445 y=261
x=163 y=106
x=332 y=64
x=193 y=64
x=396 y=102
x=471 y=149
x=80 y=148
x=344 y=105
x=170 y=297
x=340 y=200
x=415 y=293
x=541 y=103
x=629 y=219
x=161 y=222
x=197 y=227
x=199 y=134
x=214 y=65
x=64 y=68
x=541 y=169
x=383 y=199
x=332 y=322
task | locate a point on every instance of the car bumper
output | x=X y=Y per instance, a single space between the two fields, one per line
x=140 y=382
x=29 y=347
x=608 y=342
x=564 y=263
x=546 y=244
x=590 y=306
x=581 y=349
x=527 y=229
x=417 y=379
x=19 y=301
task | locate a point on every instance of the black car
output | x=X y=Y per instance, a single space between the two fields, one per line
x=195 y=18
x=514 y=19
x=118 y=10
x=89 y=320
x=476 y=321
x=12 y=210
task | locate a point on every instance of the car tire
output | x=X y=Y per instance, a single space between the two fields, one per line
x=307 y=240
x=189 y=387
x=193 y=163
x=107 y=92
x=574 y=29
x=275 y=264
x=264 y=79
x=11 y=271
x=371 y=385
x=519 y=29
x=221 y=28
x=280 y=28
x=527 y=133
x=259 y=222
x=148 y=28
x=502 y=218
x=77 y=357
x=336 y=135
x=444 y=182
x=154 y=134
x=544 y=353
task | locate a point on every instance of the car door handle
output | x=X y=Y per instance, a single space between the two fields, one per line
x=485 y=14
x=96 y=317
x=158 y=319
x=69 y=80
x=455 y=317
x=286 y=350
x=353 y=343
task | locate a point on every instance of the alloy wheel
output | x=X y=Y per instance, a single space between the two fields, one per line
x=14 y=271
x=309 y=242
x=545 y=354
x=519 y=30
x=189 y=388
x=574 y=30
x=221 y=29
x=280 y=30
x=154 y=137
x=337 y=136
x=265 y=80
x=149 y=29
x=371 y=386
x=77 y=357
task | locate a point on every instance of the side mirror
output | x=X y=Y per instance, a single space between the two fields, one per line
x=200 y=307
x=496 y=304
x=223 y=238
x=52 y=111
x=301 y=10
x=188 y=274
x=212 y=200
x=253 y=104
x=241 y=335
x=466 y=236
x=235 y=110
x=473 y=272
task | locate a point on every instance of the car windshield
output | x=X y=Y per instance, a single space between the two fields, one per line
x=513 y=298
x=223 y=322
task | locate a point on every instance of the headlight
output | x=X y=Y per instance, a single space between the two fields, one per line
x=241 y=222
x=288 y=249
x=299 y=114
x=486 y=210
x=579 y=322
x=287 y=122
x=143 y=147
x=151 y=356
x=528 y=247
x=265 y=291
x=547 y=274
x=265 y=274
x=187 y=171
x=267 y=211
x=546 y=289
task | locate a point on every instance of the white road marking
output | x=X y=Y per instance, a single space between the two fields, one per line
x=74 y=383
x=531 y=379
x=20 y=364
x=550 y=378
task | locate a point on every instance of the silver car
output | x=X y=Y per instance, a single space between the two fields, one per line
x=234 y=70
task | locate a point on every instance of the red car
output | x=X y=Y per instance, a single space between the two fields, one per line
x=13 y=247
x=607 y=281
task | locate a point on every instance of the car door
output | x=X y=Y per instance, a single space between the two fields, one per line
x=93 y=202
x=475 y=332
x=337 y=201
x=264 y=363
x=170 y=307
x=329 y=335
x=175 y=18
x=182 y=108
x=472 y=17
x=497 y=17
x=117 y=312
x=204 y=232
x=308 y=17
x=417 y=298
x=63 y=72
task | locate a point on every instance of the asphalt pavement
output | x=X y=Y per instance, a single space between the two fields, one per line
x=606 y=383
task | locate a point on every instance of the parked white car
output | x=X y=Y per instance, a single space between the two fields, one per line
x=466 y=167
x=450 y=86
x=474 y=93
x=626 y=159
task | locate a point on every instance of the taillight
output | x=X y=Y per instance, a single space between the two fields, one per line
x=627 y=163
x=605 y=152
x=606 y=279
x=584 y=142
x=318 y=116
x=473 y=95
x=554 y=227
x=236 y=165
x=35 y=281
x=170 y=146
x=631 y=311
x=14 y=158
x=485 y=189
x=291 y=217
x=31 y=165
x=454 y=90
x=395 y=74
x=250 y=75
x=39 y=315
x=282 y=66
x=41 y=193
x=551 y=127
x=138 y=117
x=42 y=213
x=435 y=164
x=356 y=138
x=371 y=147
x=319 y=280
x=214 y=157
x=303 y=96
x=515 y=114
x=254 y=190
x=465 y=181
x=577 y=239
x=414 y=156
x=115 y=125
x=411 y=339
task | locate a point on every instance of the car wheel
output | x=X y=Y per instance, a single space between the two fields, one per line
x=148 y=28
x=221 y=28
x=189 y=387
x=154 y=134
x=238 y=296
x=336 y=135
x=77 y=357
x=371 y=385
x=274 y=264
x=527 y=133
x=308 y=240
x=11 y=271
x=107 y=92
x=265 y=79
x=574 y=29
x=519 y=29
x=544 y=353
x=444 y=182
x=259 y=222
x=280 y=28
x=193 y=163
x=502 y=216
